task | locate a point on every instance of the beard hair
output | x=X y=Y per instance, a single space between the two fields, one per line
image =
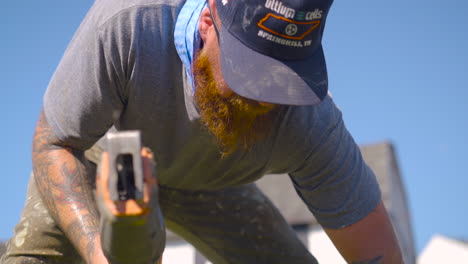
x=235 y=121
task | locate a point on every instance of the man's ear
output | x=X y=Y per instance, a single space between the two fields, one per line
x=204 y=24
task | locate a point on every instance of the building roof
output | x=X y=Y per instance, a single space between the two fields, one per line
x=2 y=248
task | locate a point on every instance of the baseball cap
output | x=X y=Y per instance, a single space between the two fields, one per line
x=271 y=50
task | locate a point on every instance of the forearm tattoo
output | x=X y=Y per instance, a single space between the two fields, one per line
x=63 y=180
x=85 y=227
x=377 y=260
x=42 y=162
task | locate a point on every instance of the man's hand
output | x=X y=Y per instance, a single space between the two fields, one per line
x=369 y=241
x=132 y=229
x=131 y=206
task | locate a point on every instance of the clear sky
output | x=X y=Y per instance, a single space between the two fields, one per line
x=398 y=70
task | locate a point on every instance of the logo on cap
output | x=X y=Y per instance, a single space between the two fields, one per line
x=287 y=28
x=291 y=30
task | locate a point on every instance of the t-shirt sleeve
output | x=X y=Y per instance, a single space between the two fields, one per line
x=334 y=181
x=87 y=91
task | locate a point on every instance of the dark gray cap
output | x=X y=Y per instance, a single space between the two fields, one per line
x=271 y=50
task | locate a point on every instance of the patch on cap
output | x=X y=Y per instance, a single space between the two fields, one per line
x=286 y=23
x=292 y=29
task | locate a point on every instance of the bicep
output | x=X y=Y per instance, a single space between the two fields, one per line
x=334 y=181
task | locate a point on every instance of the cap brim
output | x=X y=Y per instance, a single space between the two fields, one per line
x=263 y=78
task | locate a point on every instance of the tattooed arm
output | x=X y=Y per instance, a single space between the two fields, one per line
x=369 y=241
x=65 y=183
x=377 y=260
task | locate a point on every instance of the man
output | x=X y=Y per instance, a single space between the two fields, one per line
x=222 y=93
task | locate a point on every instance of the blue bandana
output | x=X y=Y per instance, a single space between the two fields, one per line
x=186 y=36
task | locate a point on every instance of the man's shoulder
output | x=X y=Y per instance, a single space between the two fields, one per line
x=106 y=10
x=114 y=6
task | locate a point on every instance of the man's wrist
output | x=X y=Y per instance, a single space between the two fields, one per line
x=97 y=255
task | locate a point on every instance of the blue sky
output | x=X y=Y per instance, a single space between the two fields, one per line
x=398 y=70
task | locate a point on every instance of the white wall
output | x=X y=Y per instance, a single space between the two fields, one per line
x=322 y=247
x=442 y=249
x=178 y=253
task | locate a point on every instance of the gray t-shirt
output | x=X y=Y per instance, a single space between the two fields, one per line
x=121 y=69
